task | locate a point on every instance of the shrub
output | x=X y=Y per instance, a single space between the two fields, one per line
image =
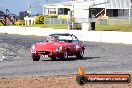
x=1 y=24
x=20 y=22
x=51 y=16
x=39 y=19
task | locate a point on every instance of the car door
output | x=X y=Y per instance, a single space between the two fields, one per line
x=71 y=46
x=75 y=44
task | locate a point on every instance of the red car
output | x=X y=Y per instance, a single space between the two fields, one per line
x=58 y=46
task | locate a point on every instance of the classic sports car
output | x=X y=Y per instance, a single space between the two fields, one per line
x=58 y=46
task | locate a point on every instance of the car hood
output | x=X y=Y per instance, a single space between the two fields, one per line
x=48 y=46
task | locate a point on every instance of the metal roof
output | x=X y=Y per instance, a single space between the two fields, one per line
x=112 y=4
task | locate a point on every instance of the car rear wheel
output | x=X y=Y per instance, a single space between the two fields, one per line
x=81 y=53
x=65 y=55
x=35 y=58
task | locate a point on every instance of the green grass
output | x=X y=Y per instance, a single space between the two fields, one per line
x=114 y=27
x=55 y=26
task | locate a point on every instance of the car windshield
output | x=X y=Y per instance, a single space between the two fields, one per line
x=52 y=38
x=63 y=38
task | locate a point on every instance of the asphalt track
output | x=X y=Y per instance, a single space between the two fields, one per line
x=98 y=58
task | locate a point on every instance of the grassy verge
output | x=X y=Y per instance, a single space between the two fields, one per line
x=126 y=27
x=114 y=27
x=55 y=26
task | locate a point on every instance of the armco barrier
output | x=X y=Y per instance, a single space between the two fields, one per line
x=94 y=36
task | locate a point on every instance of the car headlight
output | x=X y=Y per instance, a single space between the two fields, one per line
x=59 y=48
x=32 y=48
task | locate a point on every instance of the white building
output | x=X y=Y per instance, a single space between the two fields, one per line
x=29 y=20
x=85 y=8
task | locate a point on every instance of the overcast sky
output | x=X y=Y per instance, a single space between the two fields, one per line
x=15 y=6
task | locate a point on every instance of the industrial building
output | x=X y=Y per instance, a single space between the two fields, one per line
x=87 y=8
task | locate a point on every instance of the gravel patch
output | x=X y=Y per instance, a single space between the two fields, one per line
x=67 y=81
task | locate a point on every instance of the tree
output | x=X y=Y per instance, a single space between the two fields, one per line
x=22 y=14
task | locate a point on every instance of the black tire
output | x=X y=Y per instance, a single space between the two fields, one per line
x=80 y=54
x=81 y=80
x=65 y=55
x=35 y=58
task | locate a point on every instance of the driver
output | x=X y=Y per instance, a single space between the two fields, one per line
x=53 y=39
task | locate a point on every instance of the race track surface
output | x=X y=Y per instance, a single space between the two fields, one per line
x=98 y=58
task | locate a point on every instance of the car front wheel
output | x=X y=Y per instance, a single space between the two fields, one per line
x=35 y=58
x=65 y=55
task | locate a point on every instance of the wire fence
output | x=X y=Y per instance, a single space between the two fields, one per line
x=55 y=21
x=110 y=20
x=81 y=20
x=113 y=21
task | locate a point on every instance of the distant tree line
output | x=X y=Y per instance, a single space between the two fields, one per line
x=23 y=14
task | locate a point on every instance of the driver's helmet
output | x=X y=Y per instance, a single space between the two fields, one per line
x=53 y=38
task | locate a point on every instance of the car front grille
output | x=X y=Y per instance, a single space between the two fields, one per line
x=44 y=52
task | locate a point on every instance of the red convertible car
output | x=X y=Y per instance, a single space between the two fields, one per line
x=58 y=46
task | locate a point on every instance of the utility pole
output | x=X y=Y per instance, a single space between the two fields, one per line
x=70 y=23
x=29 y=11
x=36 y=5
x=46 y=1
x=1 y=6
